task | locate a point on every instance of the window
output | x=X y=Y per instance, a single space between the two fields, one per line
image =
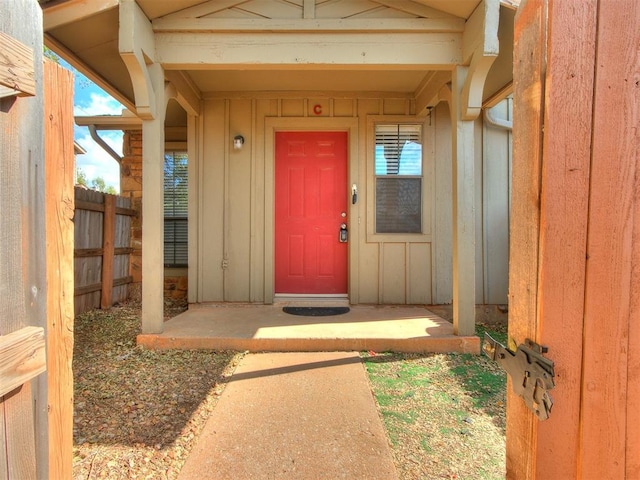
x=175 y=209
x=398 y=178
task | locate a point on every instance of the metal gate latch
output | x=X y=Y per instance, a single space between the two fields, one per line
x=531 y=373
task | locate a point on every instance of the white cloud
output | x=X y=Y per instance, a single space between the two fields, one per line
x=97 y=104
x=96 y=162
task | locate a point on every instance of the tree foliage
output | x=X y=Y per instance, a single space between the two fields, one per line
x=81 y=178
x=98 y=184
x=51 y=55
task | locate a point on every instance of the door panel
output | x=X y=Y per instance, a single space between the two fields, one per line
x=311 y=195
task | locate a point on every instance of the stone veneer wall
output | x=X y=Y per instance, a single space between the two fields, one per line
x=131 y=185
x=175 y=287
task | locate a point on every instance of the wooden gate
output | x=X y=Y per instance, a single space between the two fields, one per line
x=575 y=236
x=102 y=249
x=36 y=252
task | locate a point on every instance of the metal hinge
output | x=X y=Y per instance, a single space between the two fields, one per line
x=531 y=374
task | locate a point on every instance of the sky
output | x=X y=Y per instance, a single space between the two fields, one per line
x=89 y=99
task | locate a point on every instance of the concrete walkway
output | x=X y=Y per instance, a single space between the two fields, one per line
x=294 y=416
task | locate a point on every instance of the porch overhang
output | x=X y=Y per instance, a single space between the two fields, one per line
x=146 y=52
x=422 y=40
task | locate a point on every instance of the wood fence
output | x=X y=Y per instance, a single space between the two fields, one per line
x=102 y=249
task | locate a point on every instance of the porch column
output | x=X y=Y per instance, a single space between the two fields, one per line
x=464 y=227
x=136 y=43
x=153 y=210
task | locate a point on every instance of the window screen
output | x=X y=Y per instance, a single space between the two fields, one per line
x=398 y=172
x=175 y=209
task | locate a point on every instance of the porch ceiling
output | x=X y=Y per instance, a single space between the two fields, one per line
x=86 y=35
x=403 y=81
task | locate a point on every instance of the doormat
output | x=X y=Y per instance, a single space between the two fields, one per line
x=315 y=311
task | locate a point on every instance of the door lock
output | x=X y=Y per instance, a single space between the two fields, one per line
x=343 y=233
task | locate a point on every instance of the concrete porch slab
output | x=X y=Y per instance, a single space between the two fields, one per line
x=267 y=328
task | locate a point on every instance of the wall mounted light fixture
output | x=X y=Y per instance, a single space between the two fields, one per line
x=238 y=141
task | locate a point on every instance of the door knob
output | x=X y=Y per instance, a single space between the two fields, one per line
x=343 y=233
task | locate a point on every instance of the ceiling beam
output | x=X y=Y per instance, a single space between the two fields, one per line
x=71 y=11
x=232 y=25
x=187 y=94
x=184 y=51
x=499 y=96
x=427 y=95
x=309 y=9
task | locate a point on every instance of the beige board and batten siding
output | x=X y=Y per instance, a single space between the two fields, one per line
x=232 y=244
x=234 y=192
x=492 y=193
x=495 y=209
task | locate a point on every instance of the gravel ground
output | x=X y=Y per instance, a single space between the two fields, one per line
x=138 y=413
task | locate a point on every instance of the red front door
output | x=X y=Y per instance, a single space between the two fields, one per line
x=311 y=203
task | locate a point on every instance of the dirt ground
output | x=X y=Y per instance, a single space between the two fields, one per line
x=138 y=413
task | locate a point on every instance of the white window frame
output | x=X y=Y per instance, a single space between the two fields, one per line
x=372 y=236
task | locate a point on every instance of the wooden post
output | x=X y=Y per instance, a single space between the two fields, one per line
x=108 y=250
x=59 y=209
x=464 y=226
x=575 y=236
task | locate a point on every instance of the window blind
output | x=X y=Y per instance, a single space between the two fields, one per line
x=398 y=150
x=176 y=206
x=398 y=178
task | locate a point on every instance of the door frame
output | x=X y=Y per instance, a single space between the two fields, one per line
x=299 y=124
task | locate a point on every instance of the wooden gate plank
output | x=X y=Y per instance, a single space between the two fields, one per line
x=22 y=357
x=613 y=206
x=4 y=466
x=17 y=408
x=529 y=83
x=633 y=368
x=563 y=224
x=59 y=210
x=17 y=76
